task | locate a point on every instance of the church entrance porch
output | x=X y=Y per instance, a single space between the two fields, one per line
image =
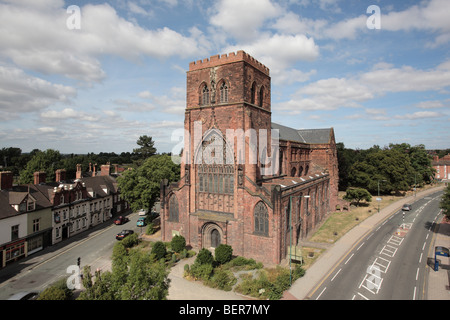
x=212 y=235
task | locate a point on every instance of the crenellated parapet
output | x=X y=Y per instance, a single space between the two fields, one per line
x=232 y=57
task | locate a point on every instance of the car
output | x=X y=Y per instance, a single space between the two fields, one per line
x=406 y=207
x=26 y=295
x=141 y=222
x=124 y=233
x=142 y=212
x=121 y=220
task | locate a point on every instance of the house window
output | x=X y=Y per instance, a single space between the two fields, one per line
x=31 y=206
x=205 y=95
x=36 y=223
x=223 y=93
x=14 y=232
x=261 y=217
x=173 y=209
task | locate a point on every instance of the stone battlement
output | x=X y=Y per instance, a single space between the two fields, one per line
x=230 y=58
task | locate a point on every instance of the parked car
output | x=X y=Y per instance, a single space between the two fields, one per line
x=406 y=207
x=124 y=233
x=142 y=212
x=141 y=222
x=121 y=220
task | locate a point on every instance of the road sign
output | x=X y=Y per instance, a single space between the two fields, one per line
x=440 y=251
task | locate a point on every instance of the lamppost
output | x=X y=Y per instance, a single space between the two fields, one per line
x=290 y=235
x=379 y=199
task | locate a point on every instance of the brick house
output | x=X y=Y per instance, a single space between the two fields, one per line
x=245 y=180
x=442 y=167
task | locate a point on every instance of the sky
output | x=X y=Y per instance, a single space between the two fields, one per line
x=94 y=76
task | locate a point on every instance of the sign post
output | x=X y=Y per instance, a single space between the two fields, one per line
x=440 y=251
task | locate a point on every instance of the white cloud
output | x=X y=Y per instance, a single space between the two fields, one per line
x=243 y=18
x=419 y=115
x=20 y=92
x=39 y=40
x=333 y=93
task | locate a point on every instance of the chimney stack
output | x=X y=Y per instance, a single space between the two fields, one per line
x=78 y=174
x=40 y=177
x=6 y=180
x=104 y=171
x=60 y=175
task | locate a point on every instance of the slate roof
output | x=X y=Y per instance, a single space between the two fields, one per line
x=309 y=136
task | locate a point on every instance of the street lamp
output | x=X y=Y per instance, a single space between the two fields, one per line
x=290 y=234
x=379 y=199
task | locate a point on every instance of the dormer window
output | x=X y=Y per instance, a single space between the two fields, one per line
x=31 y=205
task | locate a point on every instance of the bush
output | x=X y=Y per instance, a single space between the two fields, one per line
x=201 y=271
x=150 y=229
x=223 y=253
x=159 y=250
x=204 y=257
x=130 y=241
x=178 y=244
x=222 y=279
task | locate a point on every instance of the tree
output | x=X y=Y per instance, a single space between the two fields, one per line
x=358 y=195
x=141 y=187
x=147 y=148
x=223 y=253
x=47 y=161
x=178 y=243
x=445 y=202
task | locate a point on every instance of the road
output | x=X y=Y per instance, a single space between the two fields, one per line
x=36 y=272
x=390 y=262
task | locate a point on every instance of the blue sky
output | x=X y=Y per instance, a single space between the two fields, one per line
x=122 y=74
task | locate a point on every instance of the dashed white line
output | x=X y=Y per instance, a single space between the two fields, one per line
x=417 y=274
x=336 y=274
x=360 y=246
x=321 y=293
x=424 y=244
x=420 y=259
x=349 y=258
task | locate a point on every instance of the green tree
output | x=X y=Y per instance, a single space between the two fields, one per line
x=223 y=253
x=47 y=161
x=445 y=202
x=178 y=243
x=147 y=280
x=141 y=186
x=147 y=148
x=358 y=195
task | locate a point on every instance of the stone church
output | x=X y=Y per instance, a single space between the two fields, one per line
x=245 y=181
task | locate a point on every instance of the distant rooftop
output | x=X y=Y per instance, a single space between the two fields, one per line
x=309 y=136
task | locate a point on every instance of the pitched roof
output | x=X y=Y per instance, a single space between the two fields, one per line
x=6 y=210
x=99 y=184
x=309 y=136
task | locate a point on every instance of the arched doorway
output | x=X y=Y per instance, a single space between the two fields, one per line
x=215 y=238
x=211 y=235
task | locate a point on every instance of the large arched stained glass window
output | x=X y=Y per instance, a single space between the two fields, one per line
x=261 y=217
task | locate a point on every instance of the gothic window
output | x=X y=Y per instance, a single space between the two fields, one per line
x=173 y=209
x=261 y=96
x=216 y=179
x=253 y=93
x=223 y=92
x=205 y=95
x=261 y=217
x=293 y=172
